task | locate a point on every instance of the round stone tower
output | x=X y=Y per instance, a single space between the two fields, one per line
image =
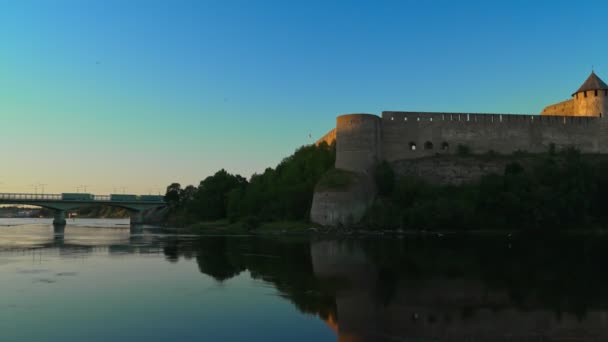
x=591 y=99
x=358 y=149
x=358 y=142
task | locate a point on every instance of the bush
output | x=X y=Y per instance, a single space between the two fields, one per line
x=384 y=177
x=565 y=191
x=383 y=214
x=251 y=223
x=463 y=150
x=513 y=168
x=552 y=149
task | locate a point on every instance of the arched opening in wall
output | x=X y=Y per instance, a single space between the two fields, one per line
x=412 y=146
x=445 y=146
x=428 y=145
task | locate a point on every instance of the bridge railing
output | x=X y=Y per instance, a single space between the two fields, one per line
x=15 y=196
x=84 y=198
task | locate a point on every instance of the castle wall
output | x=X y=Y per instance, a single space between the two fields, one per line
x=334 y=207
x=408 y=135
x=358 y=142
x=364 y=139
x=328 y=138
x=358 y=149
x=563 y=108
x=594 y=104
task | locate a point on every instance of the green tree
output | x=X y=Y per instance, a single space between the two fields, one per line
x=173 y=195
x=385 y=178
x=210 y=201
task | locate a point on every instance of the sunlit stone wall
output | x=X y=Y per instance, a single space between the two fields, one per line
x=584 y=103
x=591 y=102
x=410 y=135
x=562 y=108
x=328 y=138
x=358 y=140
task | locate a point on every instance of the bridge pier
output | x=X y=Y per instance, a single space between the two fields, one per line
x=137 y=217
x=59 y=219
x=58 y=234
x=136 y=229
x=58 y=229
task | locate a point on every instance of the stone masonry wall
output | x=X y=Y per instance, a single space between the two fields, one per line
x=591 y=103
x=358 y=142
x=409 y=135
x=364 y=139
x=329 y=138
x=584 y=103
x=358 y=139
x=561 y=108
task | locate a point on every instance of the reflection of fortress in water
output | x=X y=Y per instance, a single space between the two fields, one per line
x=438 y=307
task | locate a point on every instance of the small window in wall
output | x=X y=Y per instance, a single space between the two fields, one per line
x=412 y=146
x=428 y=145
x=445 y=146
x=596 y=92
x=585 y=93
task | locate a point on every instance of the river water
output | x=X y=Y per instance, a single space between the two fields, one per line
x=98 y=280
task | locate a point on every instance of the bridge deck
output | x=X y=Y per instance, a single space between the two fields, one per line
x=100 y=199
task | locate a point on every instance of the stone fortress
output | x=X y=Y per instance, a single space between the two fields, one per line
x=362 y=140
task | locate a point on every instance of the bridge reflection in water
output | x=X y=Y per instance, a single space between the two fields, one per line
x=60 y=203
x=500 y=288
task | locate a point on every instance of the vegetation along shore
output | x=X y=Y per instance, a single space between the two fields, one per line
x=521 y=191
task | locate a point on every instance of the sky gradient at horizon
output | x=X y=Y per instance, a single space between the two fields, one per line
x=139 y=94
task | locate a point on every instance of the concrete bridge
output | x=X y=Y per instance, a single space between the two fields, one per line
x=60 y=203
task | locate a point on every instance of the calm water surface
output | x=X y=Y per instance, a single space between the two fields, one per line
x=98 y=280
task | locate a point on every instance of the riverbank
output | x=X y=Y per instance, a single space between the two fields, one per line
x=225 y=227
x=244 y=227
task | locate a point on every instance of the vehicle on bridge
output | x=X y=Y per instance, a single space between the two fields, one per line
x=76 y=196
x=123 y=198
x=152 y=198
x=133 y=198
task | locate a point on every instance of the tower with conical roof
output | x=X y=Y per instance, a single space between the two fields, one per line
x=591 y=99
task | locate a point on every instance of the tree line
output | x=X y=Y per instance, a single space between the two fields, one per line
x=282 y=193
x=553 y=190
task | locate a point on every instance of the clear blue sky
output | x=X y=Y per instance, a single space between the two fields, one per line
x=143 y=93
